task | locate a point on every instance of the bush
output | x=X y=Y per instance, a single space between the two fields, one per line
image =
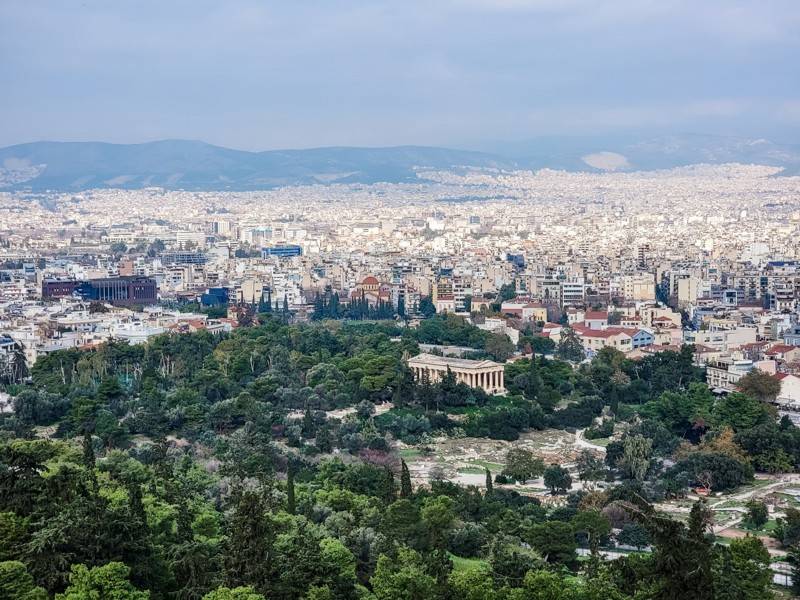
x=603 y=430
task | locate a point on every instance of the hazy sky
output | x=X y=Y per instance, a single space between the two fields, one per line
x=255 y=74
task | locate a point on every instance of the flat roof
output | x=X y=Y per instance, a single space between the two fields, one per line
x=447 y=361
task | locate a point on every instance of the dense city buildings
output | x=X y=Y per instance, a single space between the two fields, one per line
x=717 y=265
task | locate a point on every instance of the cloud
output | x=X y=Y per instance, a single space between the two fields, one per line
x=259 y=75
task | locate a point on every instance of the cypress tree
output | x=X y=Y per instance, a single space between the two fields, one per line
x=88 y=451
x=308 y=423
x=405 y=480
x=290 y=499
x=334 y=306
x=489 y=486
x=248 y=557
x=389 y=492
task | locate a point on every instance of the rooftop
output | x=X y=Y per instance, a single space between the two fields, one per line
x=454 y=363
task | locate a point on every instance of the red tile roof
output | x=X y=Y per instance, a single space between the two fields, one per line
x=780 y=349
x=595 y=315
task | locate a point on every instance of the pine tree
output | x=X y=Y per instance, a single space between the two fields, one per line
x=489 y=486
x=405 y=480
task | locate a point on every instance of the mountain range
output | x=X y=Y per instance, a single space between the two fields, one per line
x=193 y=165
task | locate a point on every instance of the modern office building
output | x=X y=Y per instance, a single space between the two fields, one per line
x=122 y=291
x=282 y=251
x=182 y=257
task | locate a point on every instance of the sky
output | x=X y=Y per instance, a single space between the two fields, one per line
x=258 y=75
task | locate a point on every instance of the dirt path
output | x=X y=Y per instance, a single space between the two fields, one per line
x=581 y=442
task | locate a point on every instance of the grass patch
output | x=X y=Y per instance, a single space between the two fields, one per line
x=409 y=453
x=600 y=441
x=462 y=564
x=485 y=464
x=768 y=528
x=471 y=471
x=792 y=500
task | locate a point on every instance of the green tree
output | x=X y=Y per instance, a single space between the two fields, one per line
x=250 y=541
x=489 y=485
x=499 y=346
x=760 y=385
x=757 y=514
x=544 y=585
x=522 y=465
x=473 y=584
x=405 y=480
x=787 y=528
x=438 y=516
x=635 y=460
x=594 y=525
x=570 y=346
x=742 y=571
x=590 y=468
x=739 y=411
x=239 y=593
x=558 y=479
x=17 y=584
x=794 y=560
x=107 y=582
x=554 y=540
x=403 y=578
x=509 y=560
x=13 y=535
x=290 y=499
x=633 y=534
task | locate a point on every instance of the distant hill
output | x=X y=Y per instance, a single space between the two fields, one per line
x=180 y=164
x=628 y=153
x=190 y=165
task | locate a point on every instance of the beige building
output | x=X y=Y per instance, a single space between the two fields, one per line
x=484 y=374
x=639 y=287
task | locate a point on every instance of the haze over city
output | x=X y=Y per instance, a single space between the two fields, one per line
x=458 y=299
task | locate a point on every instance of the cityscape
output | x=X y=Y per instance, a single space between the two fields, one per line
x=308 y=360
